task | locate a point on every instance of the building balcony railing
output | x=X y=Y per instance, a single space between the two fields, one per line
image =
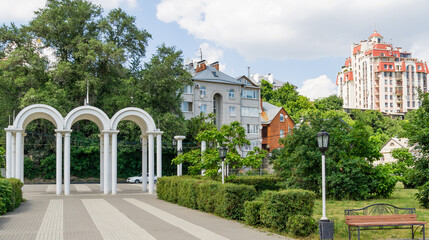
x=398 y=92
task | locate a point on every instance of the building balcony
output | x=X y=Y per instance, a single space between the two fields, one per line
x=398 y=92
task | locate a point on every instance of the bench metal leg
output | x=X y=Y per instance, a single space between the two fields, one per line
x=358 y=233
x=350 y=237
x=423 y=232
x=412 y=231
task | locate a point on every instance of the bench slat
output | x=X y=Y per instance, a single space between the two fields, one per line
x=366 y=224
x=366 y=218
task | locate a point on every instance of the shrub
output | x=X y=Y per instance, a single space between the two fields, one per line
x=251 y=212
x=261 y=183
x=383 y=181
x=31 y=170
x=206 y=199
x=279 y=206
x=230 y=200
x=301 y=226
x=10 y=194
x=225 y=200
x=423 y=195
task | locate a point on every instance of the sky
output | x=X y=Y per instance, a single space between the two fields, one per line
x=303 y=42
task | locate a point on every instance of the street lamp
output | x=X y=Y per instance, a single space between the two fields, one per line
x=222 y=154
x=326 y=230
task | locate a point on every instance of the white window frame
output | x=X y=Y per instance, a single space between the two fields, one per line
x=282 y=117
x=231 y=93
x=249 y=112
x=203 y=108
x=232 y=111
x=203 y=91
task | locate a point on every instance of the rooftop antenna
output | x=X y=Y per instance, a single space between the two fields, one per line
x=87 y=92
x=248 y=72
x=201 y=54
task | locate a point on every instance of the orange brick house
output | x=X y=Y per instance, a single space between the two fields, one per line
x=276 y=123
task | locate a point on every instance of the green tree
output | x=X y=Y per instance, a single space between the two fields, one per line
x=332 y=102
x=266 y=90
x=233 y=136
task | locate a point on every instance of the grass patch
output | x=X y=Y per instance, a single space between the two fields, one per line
x=400 y=198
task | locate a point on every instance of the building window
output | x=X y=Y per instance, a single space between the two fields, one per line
x=247 y=93
x=385 y=66
x=386 y=105
x=203 y=91
x=391 y=97
x=391 y=104
x=282 y=133
x=282 y=118
x=187 y=90
x=249 y=112
x=203 y=108
x=231 y=111
x=215 y=74
x=385 y=96
x=186 y=106
x=391 y=67
x=251 y=128
x=231 y=93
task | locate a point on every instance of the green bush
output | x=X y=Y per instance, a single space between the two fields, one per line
x=279 y=206
x=261 y=183
x=230 y=200
x=187 y=192
x=384 y=181
x=31 y=170
x=10 y=194
x=251 y=212
x=423 y=195
x=206 y=199
x=225 y=200
x=301 y=226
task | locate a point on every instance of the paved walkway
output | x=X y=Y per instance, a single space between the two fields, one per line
x=129 y=215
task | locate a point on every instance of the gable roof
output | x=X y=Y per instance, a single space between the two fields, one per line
x=211 y=74
x=252 y=83
x=401 y=142
x=271 y=112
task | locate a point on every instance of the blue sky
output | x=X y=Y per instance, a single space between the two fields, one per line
x=303 y=42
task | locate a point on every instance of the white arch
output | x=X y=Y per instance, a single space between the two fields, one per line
x=37 y=111
x=137 y=115
x=87 y=112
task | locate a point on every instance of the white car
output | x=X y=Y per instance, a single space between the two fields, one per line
x=138 y=179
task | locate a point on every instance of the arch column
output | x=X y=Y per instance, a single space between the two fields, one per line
x=67 y=135
x=21 y=161
x=159 y=154
x=179 y=147
x=18 y=153
x=13 y=160
x=101 y=162
x=59 y=160
x=8 y=153
x=106 y=161
x=144 y=162
x=114 y=161
x=151 y=162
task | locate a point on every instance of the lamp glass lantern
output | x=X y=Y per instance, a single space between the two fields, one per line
x=222 y=153
x=322 y=140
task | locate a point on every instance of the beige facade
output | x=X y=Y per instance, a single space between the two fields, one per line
x=392 y=144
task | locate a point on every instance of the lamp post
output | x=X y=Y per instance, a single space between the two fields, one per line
x=326 y=230
x=222 y=154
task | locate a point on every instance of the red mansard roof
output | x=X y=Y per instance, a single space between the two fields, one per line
x=375 y=34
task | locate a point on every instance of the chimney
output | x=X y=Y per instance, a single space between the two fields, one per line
x=215 y=65
x=201 y=66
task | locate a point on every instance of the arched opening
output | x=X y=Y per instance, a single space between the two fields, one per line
x=217 y=109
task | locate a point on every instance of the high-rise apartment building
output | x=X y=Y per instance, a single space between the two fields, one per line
x=379 y=76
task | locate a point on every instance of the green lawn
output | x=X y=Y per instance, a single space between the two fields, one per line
x=401 y=198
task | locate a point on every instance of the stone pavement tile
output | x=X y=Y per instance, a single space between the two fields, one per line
x=36 y=187
x=231 y=229
x=52 y=226
x=112 y=223
x=77 y=222
x=193 y=229
x=153 y=225
x=23 y=222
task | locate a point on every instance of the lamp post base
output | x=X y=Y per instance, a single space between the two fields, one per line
x=326 y=229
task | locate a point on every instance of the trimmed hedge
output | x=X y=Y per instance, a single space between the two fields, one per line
x=10 y=194
x=301 y=226
x=251 y=212
x=278 y=207
x=225 y=200
x=261 y=183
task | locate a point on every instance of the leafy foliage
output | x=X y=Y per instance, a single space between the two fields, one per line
x=301 y=226
x=233 y=136
x=423 y=195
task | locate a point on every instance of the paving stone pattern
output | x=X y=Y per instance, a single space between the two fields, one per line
x=87 y=214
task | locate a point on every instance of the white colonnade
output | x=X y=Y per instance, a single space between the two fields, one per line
x=108 y=143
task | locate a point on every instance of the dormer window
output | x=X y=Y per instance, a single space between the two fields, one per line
x=215 y=74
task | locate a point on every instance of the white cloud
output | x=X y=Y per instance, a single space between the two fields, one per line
x=319 y=87
x=305 y=29
x=23 y=10
x=210 y=54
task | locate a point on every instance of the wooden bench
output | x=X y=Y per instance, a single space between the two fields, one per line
x=383 y=216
